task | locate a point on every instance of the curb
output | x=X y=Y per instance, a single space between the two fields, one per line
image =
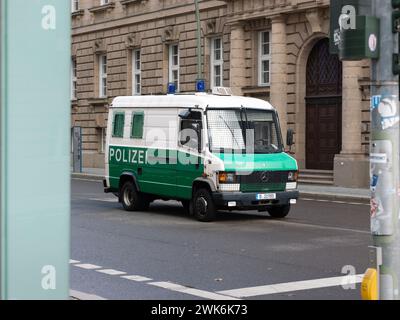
x=87 y=176
x=335 y=197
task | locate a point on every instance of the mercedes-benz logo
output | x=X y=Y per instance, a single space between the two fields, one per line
x=265 y=176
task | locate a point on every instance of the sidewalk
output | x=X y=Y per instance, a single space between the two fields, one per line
x=306 y=191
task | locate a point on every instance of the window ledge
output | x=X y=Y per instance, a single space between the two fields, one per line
x=256 y=89
x=104 y=7
x=78 y=13
x=128 y=2
x=98 y=101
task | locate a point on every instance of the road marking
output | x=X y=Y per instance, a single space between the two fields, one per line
x=111 y=272
x=336 y=202
x=77 y=295
x=191 y=291
x=314 y=226
x=87 y=266
x=74 y=261
x=292 y=286
x=87 y=180
x=114 y=200
x=137 y=278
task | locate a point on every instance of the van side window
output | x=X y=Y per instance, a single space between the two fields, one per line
x=118 y=125
x=190 y=130
x=137 y=125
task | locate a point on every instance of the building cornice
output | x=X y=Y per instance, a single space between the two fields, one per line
x=270 y=12
x=146 y=17
x=104 y=7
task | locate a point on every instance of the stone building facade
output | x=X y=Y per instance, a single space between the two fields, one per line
x=270 y=49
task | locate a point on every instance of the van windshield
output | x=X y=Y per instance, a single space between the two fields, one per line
x=244 y=131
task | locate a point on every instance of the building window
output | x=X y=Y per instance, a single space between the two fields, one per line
x=74 y=5
x=118 y=125
x=103 y=2
x=103 y=76
x=174 y=65
x=137 y=125
x=264 y=77
x=74 y=80
x=103 y=140
x=136 y=72
x=217 y=63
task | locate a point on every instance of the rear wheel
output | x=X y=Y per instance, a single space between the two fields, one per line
x=203 y=206
x=279 y=212
x=131 y=199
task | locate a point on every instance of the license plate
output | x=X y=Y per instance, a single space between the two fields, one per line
x=266 y=196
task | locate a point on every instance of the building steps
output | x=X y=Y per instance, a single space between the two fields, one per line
x=316 y=177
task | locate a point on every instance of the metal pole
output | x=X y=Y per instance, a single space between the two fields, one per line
x=385 y=140
x=1 y=146
x=199 y=55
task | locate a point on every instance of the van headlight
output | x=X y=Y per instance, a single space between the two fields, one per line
x=293 y=176
x=227 y=177
x=292 y=180
x=228 y=182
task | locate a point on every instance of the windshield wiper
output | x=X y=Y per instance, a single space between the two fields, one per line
x=231 y=130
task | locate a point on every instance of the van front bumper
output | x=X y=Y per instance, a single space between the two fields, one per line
x=248 y=201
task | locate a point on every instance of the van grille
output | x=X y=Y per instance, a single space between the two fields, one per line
x=261 y=181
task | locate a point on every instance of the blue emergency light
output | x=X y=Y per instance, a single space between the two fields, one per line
x=200 y=85
x=171 y=88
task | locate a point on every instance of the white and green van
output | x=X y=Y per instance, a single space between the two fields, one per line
x=208 y=151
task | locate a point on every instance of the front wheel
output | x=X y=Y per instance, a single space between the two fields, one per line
x=203 y=206
x=131 y=199
x=279 y=212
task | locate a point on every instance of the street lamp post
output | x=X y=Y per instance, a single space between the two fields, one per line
x=199 y=53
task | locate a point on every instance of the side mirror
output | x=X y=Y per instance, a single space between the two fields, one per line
x=185 y=114
x=290 y=138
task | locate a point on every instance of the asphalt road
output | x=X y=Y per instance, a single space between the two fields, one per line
x=166 y=254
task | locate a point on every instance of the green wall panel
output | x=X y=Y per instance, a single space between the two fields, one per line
x=35 y=139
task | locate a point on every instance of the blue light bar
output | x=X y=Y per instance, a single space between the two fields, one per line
x=171 y=88
x=200 y=85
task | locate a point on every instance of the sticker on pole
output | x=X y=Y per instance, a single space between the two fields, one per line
x=372 y=42
x=379 y=158
x=375 y=101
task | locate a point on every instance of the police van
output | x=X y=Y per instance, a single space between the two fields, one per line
x=209 y=151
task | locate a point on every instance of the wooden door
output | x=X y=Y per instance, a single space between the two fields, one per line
x=323 y=108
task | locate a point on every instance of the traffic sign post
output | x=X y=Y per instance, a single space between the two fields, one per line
x=359 y=30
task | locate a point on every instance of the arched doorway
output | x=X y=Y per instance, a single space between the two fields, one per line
x=323 y=107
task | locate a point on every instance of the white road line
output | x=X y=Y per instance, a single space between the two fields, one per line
x=88 y=266
x=84 y=296
x=137 y=278
x=87 y=180
x=111 y=272
x=114 y=200
x=74 y=261
x=191 y=291
x=336 y=202
x=292 y=286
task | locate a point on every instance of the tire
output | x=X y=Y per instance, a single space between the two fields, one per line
x=131 y=199
x=279 y=212
x=203 y=206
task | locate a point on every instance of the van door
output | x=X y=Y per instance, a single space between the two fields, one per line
x=190 y=164
x=157 y=177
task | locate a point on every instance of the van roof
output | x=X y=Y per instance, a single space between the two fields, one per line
x=202 y=101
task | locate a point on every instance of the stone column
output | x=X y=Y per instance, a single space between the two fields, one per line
x=237 y=59
x=279 y=70
x=351 y=165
